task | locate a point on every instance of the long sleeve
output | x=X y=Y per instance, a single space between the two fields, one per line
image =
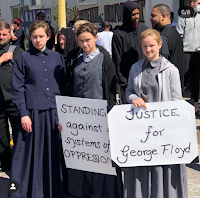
x=117 y=53
x=17 y=86
x=63 y=87
x=130 y=92
x=175 y=85
x=180 y=26
x=111 y=82
x=164 y=50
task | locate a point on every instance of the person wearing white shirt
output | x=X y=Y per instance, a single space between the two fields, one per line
x=105 y=37
x=189 y=29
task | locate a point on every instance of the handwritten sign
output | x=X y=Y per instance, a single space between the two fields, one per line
x=85 y=139
x=163 y=134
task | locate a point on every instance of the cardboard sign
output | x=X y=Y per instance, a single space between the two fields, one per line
x=85 y=139
x=163 y=134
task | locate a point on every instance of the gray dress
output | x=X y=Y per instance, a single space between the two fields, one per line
x=168 y=181
x=88 y=84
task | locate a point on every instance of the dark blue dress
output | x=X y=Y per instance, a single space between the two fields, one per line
x=37 y=158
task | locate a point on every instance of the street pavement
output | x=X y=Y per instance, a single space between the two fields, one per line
x=193 y=170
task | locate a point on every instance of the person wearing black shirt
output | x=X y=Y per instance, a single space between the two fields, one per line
x=126 y=49
x=172 y=48
x=17 y=33
x=51 y=41
x=7 y=109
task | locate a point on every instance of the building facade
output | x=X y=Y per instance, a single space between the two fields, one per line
x=93 y=10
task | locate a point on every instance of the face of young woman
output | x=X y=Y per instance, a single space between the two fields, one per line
x=62 y=41
x=87 y=42
x=150 y=48
x=39 y=39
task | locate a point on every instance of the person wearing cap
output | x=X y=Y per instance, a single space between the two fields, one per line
x=126 y=49
x=105 y=37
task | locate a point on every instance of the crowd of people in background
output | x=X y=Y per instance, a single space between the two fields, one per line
x=141 y=64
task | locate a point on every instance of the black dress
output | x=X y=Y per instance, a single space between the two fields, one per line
x=37 y=159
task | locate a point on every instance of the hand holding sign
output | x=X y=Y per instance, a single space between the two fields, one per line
x=139 y=102
x=85 y=139
x=149 y=137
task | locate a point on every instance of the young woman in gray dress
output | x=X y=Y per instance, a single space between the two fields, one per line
x=92 y=75
x=154 y=79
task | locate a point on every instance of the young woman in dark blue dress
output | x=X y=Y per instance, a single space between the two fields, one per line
x=38 y=76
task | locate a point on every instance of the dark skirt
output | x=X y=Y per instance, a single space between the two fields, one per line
x=83 y=184
x=37 y=162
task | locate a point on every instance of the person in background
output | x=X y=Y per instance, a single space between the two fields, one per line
x=116 y=27
x=189 y=29
x=111 y=28
x=66 y=42
x=172 y=48
x=38 y=76
x=70 y=24
x=72 y=56
x=105 y=37
x=154 y=79
x=7 y=108
x=41 y=16
x=172 y=19
x=17 y=33
x=99 y=82
x=51 y=41
x=126 y=49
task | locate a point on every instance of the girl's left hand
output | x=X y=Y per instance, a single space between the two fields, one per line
x=26 y=123
x=60 y=127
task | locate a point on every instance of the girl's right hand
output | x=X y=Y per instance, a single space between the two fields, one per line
x=26 y=123
x=139 y=102
x=60 y=127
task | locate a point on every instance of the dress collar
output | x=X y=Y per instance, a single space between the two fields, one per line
x=156 y=62
x=153 y=63
x=37 y=52
x=166 y=26
x=89 y=57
